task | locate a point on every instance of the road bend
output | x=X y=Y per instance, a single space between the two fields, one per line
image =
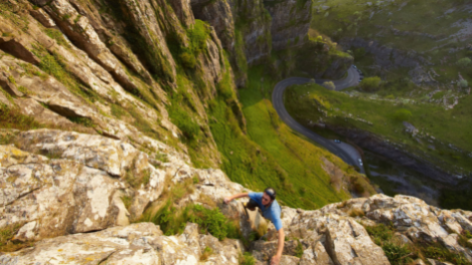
x=346 y=152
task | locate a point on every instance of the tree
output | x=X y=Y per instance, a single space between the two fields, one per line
x=329 y=85
x=371 y=84
x=402 y=115
x=463 y=83
x=464 y=62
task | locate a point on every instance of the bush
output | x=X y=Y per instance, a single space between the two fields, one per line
x=463 y=83
x=206 y=253
x=402 y=115
x=188 y=60
x=396 y=254
x=464 y=62
x=299 y=250
x=173 y=220
x=198 y=35
x=247 y=259
x=329 y=85
x=371 y=84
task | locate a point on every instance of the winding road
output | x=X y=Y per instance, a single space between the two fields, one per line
x=345 y=151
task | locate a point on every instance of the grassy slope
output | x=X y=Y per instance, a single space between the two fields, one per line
x=447 y=126
x=273 y=155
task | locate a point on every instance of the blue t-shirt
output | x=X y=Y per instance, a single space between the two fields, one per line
x=272 y=212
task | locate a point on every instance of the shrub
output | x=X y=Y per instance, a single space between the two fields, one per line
x=299 y=250
x=206 y=253
x=329 y=85
x=396 y=254
x=464 y=62
x=173 y=220
x=198 y=35
x=188 y=60
x=247 y=259
x=371 y=84
x=463 y=83
x=439 y=95
x=402 y=115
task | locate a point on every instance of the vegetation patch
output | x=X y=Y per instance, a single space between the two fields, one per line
x=127 y=201
x=58 y=36
x=399 y=254
x=7 y=233
x=12 y=118
x=137 y=178
x=371 y=84
x=173 y=220
x=247 y=259
x=18 y=18
x=206 y=253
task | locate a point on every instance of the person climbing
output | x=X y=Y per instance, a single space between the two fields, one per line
x=270 y=209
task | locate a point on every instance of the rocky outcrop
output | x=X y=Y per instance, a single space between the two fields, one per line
x=290 y=22
x=141 y=243
x=254 y=26
x=218 y=14
x=250 y=29
x=88 y=175
x=59 y=184
x=388 y=58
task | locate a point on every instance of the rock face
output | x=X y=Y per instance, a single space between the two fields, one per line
x=141 y=243
x=250 y=29
x=290 y=22
x=79 y=188
x=63 y=184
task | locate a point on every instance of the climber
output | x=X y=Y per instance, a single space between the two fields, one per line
x=270 y=210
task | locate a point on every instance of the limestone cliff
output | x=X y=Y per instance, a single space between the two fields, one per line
x=72 y=205
x=104 y=114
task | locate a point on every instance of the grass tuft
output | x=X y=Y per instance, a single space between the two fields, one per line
x=206 y=253
x=247 y=259
x=7 y=244
x=12 y=118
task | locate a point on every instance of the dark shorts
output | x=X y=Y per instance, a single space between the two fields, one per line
x=252 y=205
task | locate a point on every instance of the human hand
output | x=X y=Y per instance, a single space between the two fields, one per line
x=275 y=260
x=227 y=200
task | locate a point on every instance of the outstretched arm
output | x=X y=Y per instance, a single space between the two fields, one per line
x=276 y=259
x=237 y=196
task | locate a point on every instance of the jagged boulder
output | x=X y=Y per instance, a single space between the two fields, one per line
x=79 y=182
x=141 y=243
x=52 y=198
